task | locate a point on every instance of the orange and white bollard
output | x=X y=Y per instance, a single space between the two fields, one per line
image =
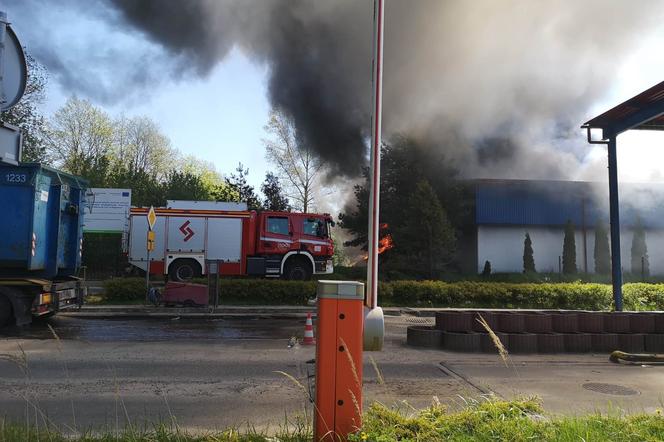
x=309 y=338
x=340 y=320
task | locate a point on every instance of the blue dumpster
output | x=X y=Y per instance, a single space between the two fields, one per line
x=41 y=227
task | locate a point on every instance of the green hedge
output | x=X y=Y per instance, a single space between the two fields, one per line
x=638 y=296
x=501 y=295
x=119 y=289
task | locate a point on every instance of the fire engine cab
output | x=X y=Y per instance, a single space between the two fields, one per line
x=270 y=244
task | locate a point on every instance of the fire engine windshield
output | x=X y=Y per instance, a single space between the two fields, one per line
x=315 y=227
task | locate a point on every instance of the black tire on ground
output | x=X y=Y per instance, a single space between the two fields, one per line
x=632 y=342
x=466 y=342
x=642 y=322
x=565 y=322
x=297 y=269
x=424 y=336
x=550 y=343
x=578 y=343
x=605 y=342
x=511 y=322
x=616 y=322
x=522 y=342
x=487 y=345
x=591 y=322
x=6 y=310
x=184 y=270
x=655 y=343
x=538 y=322
x=455 y=321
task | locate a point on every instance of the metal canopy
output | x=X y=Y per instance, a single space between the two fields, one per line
x=644 y=111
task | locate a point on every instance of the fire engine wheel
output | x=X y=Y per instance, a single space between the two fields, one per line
x=5 y=310
x=184 y=270
x=297 y=270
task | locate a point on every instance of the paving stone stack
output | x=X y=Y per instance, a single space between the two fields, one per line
x=542 y=331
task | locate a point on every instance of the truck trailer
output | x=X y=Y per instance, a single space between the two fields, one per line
x=41 y=241
x=265 y=244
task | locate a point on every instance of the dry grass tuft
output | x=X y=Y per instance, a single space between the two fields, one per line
x=502 y=351
x=379 y=375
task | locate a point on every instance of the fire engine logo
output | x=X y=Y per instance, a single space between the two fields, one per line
x=186 y=231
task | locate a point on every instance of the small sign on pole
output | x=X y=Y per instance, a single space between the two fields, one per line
x=151 y=236
x=152 y=219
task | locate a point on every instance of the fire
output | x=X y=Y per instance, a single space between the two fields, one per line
x=384 y=244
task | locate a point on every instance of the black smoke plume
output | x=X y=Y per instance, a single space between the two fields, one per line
x=489 y=82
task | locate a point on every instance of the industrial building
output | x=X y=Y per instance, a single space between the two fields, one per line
x=504 y=210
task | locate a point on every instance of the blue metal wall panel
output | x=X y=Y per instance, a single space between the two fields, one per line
x=552 y=203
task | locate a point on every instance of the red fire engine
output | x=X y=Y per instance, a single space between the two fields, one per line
x=270 y=244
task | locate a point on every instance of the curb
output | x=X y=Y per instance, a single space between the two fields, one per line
x=139 y=312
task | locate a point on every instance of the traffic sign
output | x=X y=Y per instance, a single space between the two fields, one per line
x=151 y=239
x=152 y=217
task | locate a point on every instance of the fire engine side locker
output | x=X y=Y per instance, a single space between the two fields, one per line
x=138 y=226
x=224 y=239
x=208 y=236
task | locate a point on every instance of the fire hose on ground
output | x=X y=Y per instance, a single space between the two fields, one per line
x=620 y=357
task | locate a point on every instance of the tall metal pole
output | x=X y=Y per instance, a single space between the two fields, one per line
x=371 y=299
x=3 y=31
x=147 y=279
x=614 y=213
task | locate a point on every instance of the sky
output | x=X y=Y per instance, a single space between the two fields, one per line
x=220 y=117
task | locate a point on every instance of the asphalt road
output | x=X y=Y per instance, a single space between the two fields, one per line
x=218 y=373
x=202 y=374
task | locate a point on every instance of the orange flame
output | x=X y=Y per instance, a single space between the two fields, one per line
x=384 y=244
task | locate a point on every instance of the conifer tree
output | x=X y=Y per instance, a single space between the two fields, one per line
x=528 y=259
x=569 y=250
x=601 y=253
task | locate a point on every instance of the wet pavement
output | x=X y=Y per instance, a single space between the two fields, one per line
x=216 y=373
x=156 y=329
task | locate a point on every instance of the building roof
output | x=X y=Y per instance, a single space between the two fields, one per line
x=553 y=203
x=643 y=111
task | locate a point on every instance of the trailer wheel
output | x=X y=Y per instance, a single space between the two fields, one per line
x=184 y=269
x=297 y=269
x=5 y=310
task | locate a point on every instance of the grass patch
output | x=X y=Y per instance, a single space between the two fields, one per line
x=484 y=420
x=489 y=420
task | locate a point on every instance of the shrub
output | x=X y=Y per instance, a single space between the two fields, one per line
x=265 y=291
x=119 y=289
x=468 y=294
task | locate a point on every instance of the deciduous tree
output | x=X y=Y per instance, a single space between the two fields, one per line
x=297 y=165
x=139 y=144
x=80 y=140
x=25 y=114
